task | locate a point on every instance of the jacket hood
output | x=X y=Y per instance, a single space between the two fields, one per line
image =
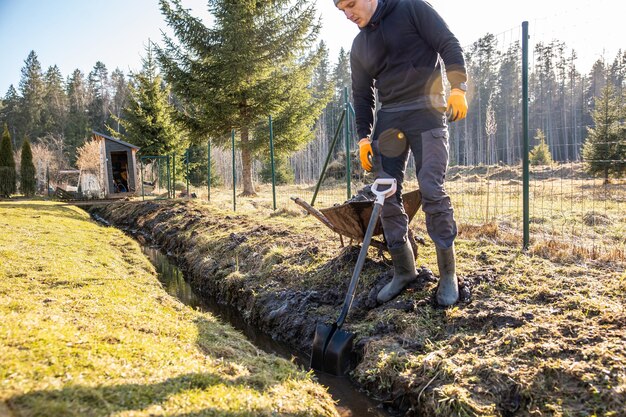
x=383 y=9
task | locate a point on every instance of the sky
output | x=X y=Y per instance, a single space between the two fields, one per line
x=77 y=33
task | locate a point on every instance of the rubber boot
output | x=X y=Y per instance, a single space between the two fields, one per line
x=448 y=291
x=404 y=272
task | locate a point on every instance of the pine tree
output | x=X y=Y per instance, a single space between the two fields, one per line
x=605 y=148
x=33 y=91
x=507 y=105
x=198 y=171
x=482 y=61
x=10 y=113
x=283 y=173
x=342 y=79
x=28 y=183
x=120 y=96
x=540 y=154
x=147 y=118
x=321 y=75
x=253 y=62
x=100 y=97
x=77 y=128
x=342 y=75
x=54 y=112
x=7 y=166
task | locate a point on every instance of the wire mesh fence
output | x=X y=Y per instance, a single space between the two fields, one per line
x=574 y=201
x=155 y=174
x=569 y=203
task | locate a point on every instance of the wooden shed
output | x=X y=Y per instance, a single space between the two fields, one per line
x=118 y=165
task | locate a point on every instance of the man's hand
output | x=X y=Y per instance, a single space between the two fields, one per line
x=457 y=105
x=366 y=154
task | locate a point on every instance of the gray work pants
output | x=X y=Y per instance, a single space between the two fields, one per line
x=431 y=151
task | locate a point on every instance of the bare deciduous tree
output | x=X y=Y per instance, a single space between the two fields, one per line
x=49 y=156
x=88 y=157
x=491 y=128
x=88 y=160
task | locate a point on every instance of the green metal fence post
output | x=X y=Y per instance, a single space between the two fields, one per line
x=169 y=185
x=232 y=139
x=47 y=180
x=208 y=179
x=272 y=161
x=159 y=174
x=352 y=114
x=143 y=198
x=525 y=155
x=346 y=132
x=174 y=173
x=187 y=169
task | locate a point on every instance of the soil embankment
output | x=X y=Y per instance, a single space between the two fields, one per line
x=528 y=336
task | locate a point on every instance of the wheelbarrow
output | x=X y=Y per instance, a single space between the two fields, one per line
x=351 y=218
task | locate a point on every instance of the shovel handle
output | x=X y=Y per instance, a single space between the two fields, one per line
x=378 y=205
x=359 y=265
x=381 y=195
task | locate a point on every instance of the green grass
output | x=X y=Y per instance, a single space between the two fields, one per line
x=87 y=330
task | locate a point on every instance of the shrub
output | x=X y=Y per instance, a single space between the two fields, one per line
x=28 y=183
x=282 y=172
x=7 y=166
x=540 y=154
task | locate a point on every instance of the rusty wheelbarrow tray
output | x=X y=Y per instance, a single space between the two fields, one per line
x=351 y=218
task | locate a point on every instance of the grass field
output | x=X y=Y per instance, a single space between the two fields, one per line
x=576 y=216
x=542 y=333
x=86 y=329
x=538 y=334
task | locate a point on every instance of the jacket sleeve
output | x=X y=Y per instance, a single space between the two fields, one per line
x=363 y=95
x=434 y=30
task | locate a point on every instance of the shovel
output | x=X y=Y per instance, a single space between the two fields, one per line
x=332 y=346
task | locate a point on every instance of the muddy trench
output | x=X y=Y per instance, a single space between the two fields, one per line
x=284 y=314
x=350 y=401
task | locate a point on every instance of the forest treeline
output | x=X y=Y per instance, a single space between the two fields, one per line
x=163 y=106
x=562 y=99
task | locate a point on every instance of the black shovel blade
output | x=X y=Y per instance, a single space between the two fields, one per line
x=338 y=353
x=323 y=334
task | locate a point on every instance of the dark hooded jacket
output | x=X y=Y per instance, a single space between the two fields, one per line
x=399 y=52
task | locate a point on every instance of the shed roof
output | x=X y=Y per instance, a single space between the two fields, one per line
x=130 y=145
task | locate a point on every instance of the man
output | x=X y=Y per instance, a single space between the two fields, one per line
x=398 y=53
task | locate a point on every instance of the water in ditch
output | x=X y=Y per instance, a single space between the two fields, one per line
x=350 y=402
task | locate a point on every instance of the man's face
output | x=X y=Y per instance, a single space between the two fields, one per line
x=358 y=11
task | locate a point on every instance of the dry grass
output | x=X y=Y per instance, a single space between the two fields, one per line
x=542 y=334
x=541 y=339
x=566 y=205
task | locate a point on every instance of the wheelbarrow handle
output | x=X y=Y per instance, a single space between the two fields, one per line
x=378 y=205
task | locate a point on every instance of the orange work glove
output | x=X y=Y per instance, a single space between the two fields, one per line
x=366 y=154
x=457 y=105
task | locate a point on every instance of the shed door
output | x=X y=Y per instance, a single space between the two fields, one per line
x=119 y=165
